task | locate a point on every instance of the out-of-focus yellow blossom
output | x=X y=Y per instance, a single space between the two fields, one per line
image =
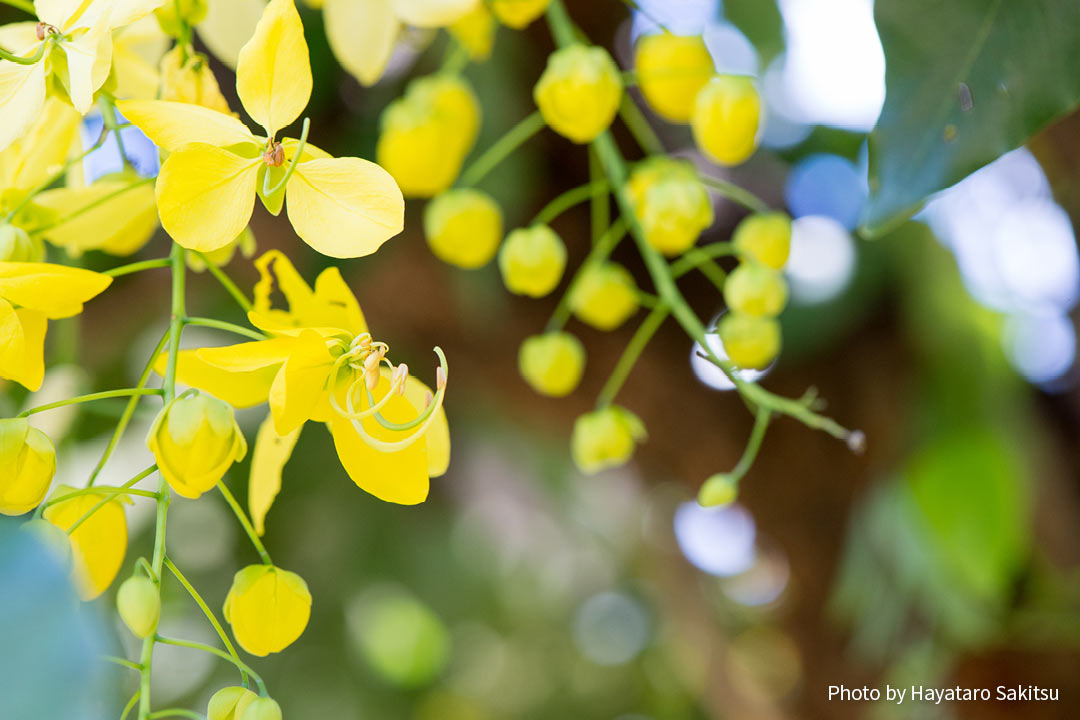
x=263 y=708
x=476 y=32
x=342 y=207
x=137 y=52
x=605 y=438
x=463 y=227
x=671 y=203
x=532 y=261
x=719 y=490
x=754 y=289
x=28 y=460
x=186 y=78
x=229 y=703
x=16 y=245
x=272 y=452
x=765 y=237
x=552 y=363
x=320 y=363
x=268 y=609
x=671 y=70
x=174 y=15
x=37 y=156
x=228 y=25
x=726 y=119
x=98 y=545
x=221 y=257
x=31 y=294
x=139 y=604
x=518 y=13
x=605 y=296
x=73 y=43
x=426 y=134
x=195 y=440
x=579 y=92
x=750 y=342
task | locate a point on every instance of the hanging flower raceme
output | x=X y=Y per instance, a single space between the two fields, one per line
x=342 y=207
x=99 y=543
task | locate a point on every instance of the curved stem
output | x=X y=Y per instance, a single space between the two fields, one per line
x=130 y=705
x=599 y=252
x=57 y=176
x=121 y=662
x=569 y=199
x=600 y=206
x=630 y=355
x=90 y=206
x=227 y=326
x=506 y=145
x=137 y=267
x=19 y=59
x=697 y=258
x=126 y=392
x=694 y=257
x=639 y=127
x=227 y=283
x=177 y=712
x=242 y=517
x=735 y=193
x=761 y=424
x=214 y=651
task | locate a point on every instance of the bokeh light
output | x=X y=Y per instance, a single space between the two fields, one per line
x=822 y=260
x=611 y=628
x=719 y=541
x=708 y=373
x=827 y=185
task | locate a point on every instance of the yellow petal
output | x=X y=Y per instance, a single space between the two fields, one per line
x=432 y=13
x=89 y=57
x=438 y=433
x=273 y=73
x=117 y=216
x=126 y=12
x=268 y=608
x=34 y=158
x=98 y=544
x=171 y=125
x=301 y=387
x=22 y=345
x=228 y=25
x=205 y=195
x=241 y=389
x=344 y=207
x=57 y=291
x=272 y=451
x=56 y=12
x=335 y=305
x=311 y=152
x=362 y=34
x=22 y=93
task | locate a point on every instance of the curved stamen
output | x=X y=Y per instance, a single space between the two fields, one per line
x=424 y=419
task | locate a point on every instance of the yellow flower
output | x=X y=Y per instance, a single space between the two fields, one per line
x=342 y=207
x=605 y=296
x=229 y=703
x=754 y=289
x=579 y=92
x=16 y=245
x=268 y=608
x=73 y=42
x=139 y=604
x=426 y=134
x=726 y=119
x=532 y=261
x=262 y=708
x=605 y=438
x=671 y=203
x=33 y=159
x=32 y=293
x=765 y=237
x=28 y=460
x=719 y=490
x=518 y=13
x=463 y=227
x=671 y=69
x=195 y=440
x=476 y=32
x=98 y=545
x=228 y=25
x=137 y=52
x=190 y=80
x=175 y=14
x=750 y=342
x=552 y=363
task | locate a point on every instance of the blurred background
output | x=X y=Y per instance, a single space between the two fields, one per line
x=946 y=554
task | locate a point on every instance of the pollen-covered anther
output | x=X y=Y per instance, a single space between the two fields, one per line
x=371 y=367
x=440 y=378
x=398 y=378
x=44 y=29
x=274 y=156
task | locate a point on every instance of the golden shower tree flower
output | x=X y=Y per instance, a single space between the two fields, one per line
x=671 y=203
x=268 y=608
x=671 y=70
x=605 y=438
x=28 y=459
x=99 y=543
x=579 y=92
x=518 y=14
x=342 y=207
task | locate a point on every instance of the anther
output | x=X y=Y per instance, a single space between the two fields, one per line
x=440 y=378
x=44 y=29
x=274 y=155
x=398 y=378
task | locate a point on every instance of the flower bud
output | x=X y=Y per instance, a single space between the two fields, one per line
x=718 y=491
x=27 y=466
x=579 y=92
x=16 y=245
x=765 y=237
x=174 y=14
x=99 y=543
x=476 y=32
x=463 y=227
x=750 y=342
x=605 y=438
x=195 y=439
x=518 y=13
x=671 y=69
x=671 y=204
x=263 y=708
x=552 y=363
x=754 y=289
x=268 y=608
x=532 y=261
x=726 y=119
x=139 y=604
x=229 y=703
x=426 y=134
x=604 y=296
x=244 y=242
x=187 y=78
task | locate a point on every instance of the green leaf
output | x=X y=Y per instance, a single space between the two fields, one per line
x=967 y=81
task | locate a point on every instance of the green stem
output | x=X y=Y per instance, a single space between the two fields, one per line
x=121 y=662
x=734 y=193
x=502 y=149
x=227 y=326
x=176 y=712
x=698 y=258
x=138 y=267
x=90 y=206
x=24 y=5
x=124 y=489
x=630 y=355
x=126 y=392
x=267 y=191
x=600 y=206
x=242 y=517
x=214 y=651
x=208 y=613
x=57 y=176
x=19 y=59
x=130 y=706
x=227 y=283
x=639 y=127
x=599 y=252
x=176 y=322
x=694 y=257
x=107 y=105
x=569 y=199
x=761 y=424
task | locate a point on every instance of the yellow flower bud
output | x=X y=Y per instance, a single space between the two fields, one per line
x=476 y=32
x=263 y=708
x=726 y=119
x=426 y=134
x=605 y=438
x=671 y=203
x=605 y=296
x=552 y=363
x=229 y=703
x=750 y=342
x=16 y=245
x=268 y=608
x=174 y=14
x=765 y=237
x=518 y=13
x=99 y=543
x=187 y=78
x=27 y=466
x=139 y=604
x=671 y=69
x=221 y=257
x=718 y=491
x=463 y=227
x=195 y=439
x=532 y=261
x=579 y=92
x=754 y=289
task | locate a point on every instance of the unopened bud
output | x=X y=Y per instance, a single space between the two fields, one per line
x=139 y=604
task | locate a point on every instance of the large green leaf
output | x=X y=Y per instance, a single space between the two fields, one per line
x=967 y=80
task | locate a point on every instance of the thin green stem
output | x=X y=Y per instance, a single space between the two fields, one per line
x=121 y=662
x=761 y=424
x=176 y=323
x=502 y=149
x=90 y=206
x=694 y=257
x=268 y=191
x=126 y=392
x=130 y=705
x=214 y=651
x=629 y=358
x=697 y=258
x=600 y=206
x=735 y=193
x=599 y=252
x=242 y=517
x=227 y=283
x=19 y=59
x=57 y=176
x=107 y=105
x=569 y=199
x=227 y=326
x=24 y=5
x=639 y=127
x=176 y=712
x=145 y=565
x=137 y=267
x=125 y=489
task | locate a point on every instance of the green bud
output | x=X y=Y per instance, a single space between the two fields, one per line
x=174 y=14
x=532 y=261
x=605 y=438
x=670 y=202
x=605 y=296
x=766 y=237
x=718 y=491
x=750 y=342
x=754 y=289
x=16 y=245
x=229 y=703
x=552 y=363
x=463 y=227
x=139 y=604
x=263 y=708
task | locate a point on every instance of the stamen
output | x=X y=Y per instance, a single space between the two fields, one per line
x=398 y=377
x=274 y=156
